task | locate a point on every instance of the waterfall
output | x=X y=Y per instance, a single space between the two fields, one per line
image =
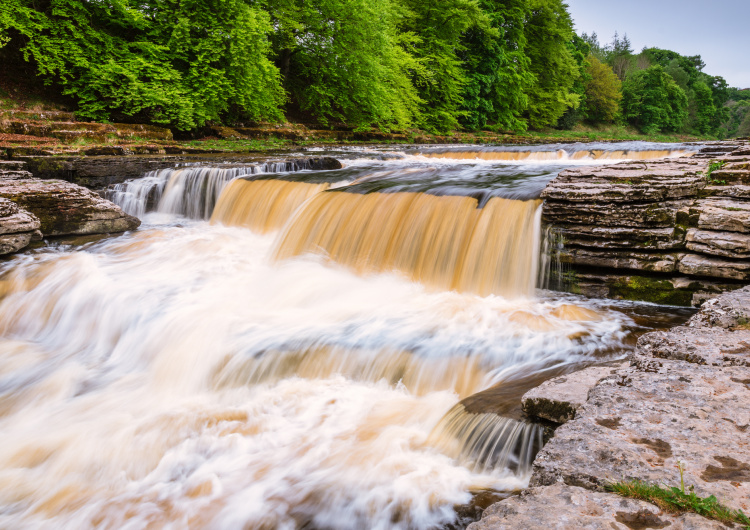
x=442 y=241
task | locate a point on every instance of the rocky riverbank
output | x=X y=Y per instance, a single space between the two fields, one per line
x=684 y=398
x=32 y=208
x=674 y=231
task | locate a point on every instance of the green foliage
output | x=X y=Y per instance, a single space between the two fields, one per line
x=441 y=76
x=653 y=102
x=347 y=60
x=173 y=62
x=603 y=92
x=702 y=108
x=497 y=69
x=549 y=31
x=675 y=500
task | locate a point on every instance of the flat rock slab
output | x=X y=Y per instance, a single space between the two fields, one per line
x=18 y=227
x=625 y=238
x=711 y=242
x=558 y=399
x=571 y=508
x=629 y=182
x=621 y=259
x=64 y=208
x=706 y=346
x=629 y=215
x=711 y=267
x=642 y=422
x=730 y=310
x=723 y=215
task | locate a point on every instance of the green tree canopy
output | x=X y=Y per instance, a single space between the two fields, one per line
x=549 y=32
x=175 y=62
x=603 y=92
x=653 y=102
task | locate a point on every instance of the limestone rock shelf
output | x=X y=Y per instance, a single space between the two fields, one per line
x=683 y=398
x=664 y=231
x=32 y=208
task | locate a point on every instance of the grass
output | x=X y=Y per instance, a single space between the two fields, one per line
x=675 y=500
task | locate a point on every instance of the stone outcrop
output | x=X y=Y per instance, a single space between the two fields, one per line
x=568 y=507
x=31 y=208
x=557 y=401
x=684 y=399
x=664 y=222
x=18 y=227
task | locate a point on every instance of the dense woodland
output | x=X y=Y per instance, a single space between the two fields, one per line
x=504 y=65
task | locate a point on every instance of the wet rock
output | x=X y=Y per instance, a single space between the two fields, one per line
x=620 y=259
x=63 y=208
x=723 y=215
x=568 y=507
x=708 y=346
x=698 y=265
x=652 y=416
x=728 y=244
x=558 y=399
x=18 y=227
x=623 y=237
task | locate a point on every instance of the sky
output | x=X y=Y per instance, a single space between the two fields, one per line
x=717 y=30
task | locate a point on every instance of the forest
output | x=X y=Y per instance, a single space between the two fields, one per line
x=507 y=65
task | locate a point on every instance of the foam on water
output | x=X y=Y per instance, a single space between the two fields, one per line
x=135 y=389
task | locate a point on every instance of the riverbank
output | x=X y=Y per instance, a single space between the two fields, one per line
x=679 y=410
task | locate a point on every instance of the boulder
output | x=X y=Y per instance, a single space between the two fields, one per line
x=558 y=399
x=562 y=507
x=63 y=208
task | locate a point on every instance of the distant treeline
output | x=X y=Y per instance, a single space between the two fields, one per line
x=392 y=64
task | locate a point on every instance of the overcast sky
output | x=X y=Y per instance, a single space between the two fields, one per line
x=717 y=30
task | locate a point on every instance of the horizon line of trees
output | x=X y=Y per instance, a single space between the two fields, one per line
x=503 y=65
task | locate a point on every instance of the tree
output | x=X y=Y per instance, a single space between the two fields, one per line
x=702 y=109
x=549 y=31
x=346 y=60
x=440 y=77
x=172 y=62
x=497 y=68
x=603 y=92
x=744 y=129
x=653 y=102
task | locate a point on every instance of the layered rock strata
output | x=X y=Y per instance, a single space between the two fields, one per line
x=31 y=208
x=683 y=400
x=104 y=168
x=671 y=231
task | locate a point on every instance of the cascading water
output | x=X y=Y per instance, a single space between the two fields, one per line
x=182 y=377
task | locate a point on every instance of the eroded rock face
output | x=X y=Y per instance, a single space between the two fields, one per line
x=666 y=219
x=568 y=507
x=18 y=227
x=558 y=399
x=714 y=347
x=62 y=208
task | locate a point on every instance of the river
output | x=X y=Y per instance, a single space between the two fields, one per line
x=302 y=349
